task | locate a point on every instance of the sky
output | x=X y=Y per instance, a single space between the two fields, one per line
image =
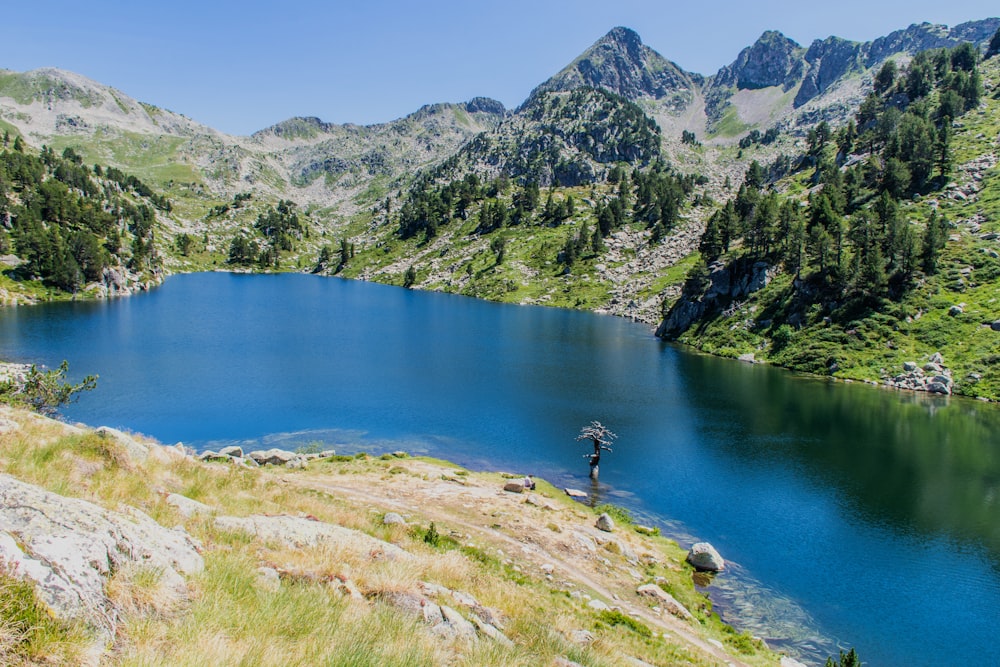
x=242 y=66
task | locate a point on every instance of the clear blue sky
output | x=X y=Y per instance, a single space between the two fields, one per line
x=241 y=66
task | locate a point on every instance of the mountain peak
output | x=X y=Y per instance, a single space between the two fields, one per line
x=773 y=60
x=620 y=63
x=625 y=38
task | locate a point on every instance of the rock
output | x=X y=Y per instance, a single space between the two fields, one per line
x=233 y=452
x=956 y=310
x=932 y=367
x=910 y=366
x=598 y=605
x=995 y=326
x=560 y=661
x=136 y=450
x=491 y=631
x=186 y=506
x=581 y=636
x=298 y=463
x=605 y=523
x=936 y=358
x=432 y=613
x=938 y=388
x=275 y=457
x=348 y=589
x=70 y=548
x=749 y=358
x=575 y=493
x=298 y=532
x=393 y=519
x=463 y=628
x=705 y=558
x=209 y=455
x=408 y=603
x=665 y=599
x=514 y=487
x=268 y=579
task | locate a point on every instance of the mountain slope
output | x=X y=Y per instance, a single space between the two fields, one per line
x=621 y=63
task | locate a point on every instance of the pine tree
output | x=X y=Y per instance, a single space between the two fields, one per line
x=933 y=243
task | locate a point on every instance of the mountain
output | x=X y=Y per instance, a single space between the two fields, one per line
x=302 y=158
x=621 y=63
x=779 y=76
x=561 y=138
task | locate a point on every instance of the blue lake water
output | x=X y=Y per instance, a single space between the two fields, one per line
x=854 y=516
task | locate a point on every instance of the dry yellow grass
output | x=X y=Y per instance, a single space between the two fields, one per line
x=492 y=547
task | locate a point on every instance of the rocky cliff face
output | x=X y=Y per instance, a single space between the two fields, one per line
x=775 y=60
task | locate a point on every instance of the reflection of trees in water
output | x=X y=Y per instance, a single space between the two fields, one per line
x=916 y=462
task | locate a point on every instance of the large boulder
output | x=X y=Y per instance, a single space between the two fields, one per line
x=705 y=558
x=70 y=548
x=274 y=457
x=605 y=523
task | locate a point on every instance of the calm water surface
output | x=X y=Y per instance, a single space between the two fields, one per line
x=854 y=516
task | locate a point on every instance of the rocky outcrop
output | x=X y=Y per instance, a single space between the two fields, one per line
x=773 y=60
x=932 y=377
x=725 y=284
x=70 y=548
x=665 y=600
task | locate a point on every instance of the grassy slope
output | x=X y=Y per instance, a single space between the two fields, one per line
x=873 y=346
x=232 y=619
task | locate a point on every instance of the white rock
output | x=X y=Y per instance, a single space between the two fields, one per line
x=391 y=519
x=666 y=599
x=704 y=557
x=605 y=523
x=69 y=548
x=598 y=605
x=233 y=452
x=187 y=506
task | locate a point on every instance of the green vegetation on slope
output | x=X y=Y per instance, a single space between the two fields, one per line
x=891 y=258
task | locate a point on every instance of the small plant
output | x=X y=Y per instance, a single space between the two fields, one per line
x=432 y=537
x=849 y=659
x=613 y=617
x=44 y=391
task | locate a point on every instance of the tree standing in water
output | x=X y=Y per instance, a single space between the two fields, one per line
x=602 y=438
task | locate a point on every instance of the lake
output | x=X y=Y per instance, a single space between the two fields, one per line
x=853 y=516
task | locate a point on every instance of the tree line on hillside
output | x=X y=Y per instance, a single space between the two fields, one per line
x=850 y=238
x=653 y=197
x=276 y=229
x=69 y=222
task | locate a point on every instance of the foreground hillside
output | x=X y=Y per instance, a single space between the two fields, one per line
x=150 y=556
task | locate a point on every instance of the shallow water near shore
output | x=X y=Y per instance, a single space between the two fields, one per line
x=854 y=516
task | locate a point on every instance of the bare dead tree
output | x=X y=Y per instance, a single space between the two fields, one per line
x=601 y=437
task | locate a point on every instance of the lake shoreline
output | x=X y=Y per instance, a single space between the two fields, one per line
x=550 y=527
